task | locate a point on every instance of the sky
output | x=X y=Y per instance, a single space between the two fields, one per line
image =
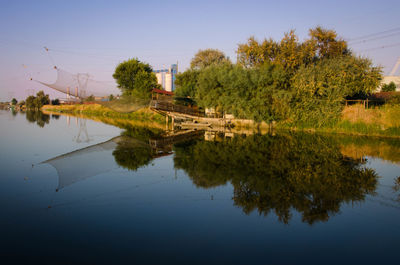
x=94 y=36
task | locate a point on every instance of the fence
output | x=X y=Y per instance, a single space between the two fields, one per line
x=170 y=107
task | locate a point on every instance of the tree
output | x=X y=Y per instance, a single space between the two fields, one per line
x=207 y=57
x=135 y=78
x=186 y=83
x=389 y=87
x=327 y=44
x=111 y=97
x=90 y=98
x=14 y=101
x=319 y=90
x=291 y=53
x=55 y=102
x=37 y=102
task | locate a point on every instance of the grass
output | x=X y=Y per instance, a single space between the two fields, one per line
x=144 y=115
x=356 y=120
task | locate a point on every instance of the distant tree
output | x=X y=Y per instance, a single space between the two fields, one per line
x=42 y=99
x=111 y=97
x=14 y=101
x=207 y=57
x=37 y=102
x=90 y=98
x=135 y=78
x=389 y=87
x=55 y=102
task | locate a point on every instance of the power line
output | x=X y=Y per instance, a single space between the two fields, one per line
x=381 y=47
x=376 y=38
x=373 y=34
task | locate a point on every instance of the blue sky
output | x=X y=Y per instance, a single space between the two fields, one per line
x=94 y=36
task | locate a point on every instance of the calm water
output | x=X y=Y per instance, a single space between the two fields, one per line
x=79 y=191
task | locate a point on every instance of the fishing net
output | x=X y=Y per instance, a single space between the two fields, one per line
x=80 y=85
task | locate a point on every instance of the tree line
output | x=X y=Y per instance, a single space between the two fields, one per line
x=288 y=81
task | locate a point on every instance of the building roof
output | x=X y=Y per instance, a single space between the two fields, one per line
x=159 y=91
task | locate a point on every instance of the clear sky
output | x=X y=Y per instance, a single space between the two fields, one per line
x=94 y=36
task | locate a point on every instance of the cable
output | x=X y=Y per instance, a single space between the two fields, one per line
x=373 y=34
x=381 y=47
x=376 y=38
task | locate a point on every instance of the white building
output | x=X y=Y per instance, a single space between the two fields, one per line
x=166 y=77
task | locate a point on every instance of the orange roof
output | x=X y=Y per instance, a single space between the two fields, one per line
x=159 y=91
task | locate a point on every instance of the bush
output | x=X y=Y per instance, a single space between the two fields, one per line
x=389 y=87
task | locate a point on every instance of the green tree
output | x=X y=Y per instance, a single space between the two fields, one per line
x=14 y=101
x=135 y=78
x=186 y=83
x=389 y=87
x=111 y=97
x=207 y=57
x=319 y=90
x=90 y=98
x=30 y=102
x=327 y=44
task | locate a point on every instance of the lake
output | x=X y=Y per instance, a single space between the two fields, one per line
x=77 y=191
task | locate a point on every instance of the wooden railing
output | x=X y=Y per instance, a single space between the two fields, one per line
x=170 y=107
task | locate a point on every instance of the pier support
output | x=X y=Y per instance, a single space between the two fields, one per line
x=166 y=122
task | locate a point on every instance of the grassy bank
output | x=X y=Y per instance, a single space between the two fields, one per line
x=355 y=120
x=381 y=121
x=142 y=117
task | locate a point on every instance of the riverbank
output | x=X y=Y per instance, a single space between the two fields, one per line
x=141 y=117
x=355 y=120
x=381 y=121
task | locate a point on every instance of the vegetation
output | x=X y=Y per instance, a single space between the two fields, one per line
x=14 y=101
x=207 y=57
x=99 y=111
x=90 y=98
x=35 y=103
x=291 y=82
x=135 y=79
x=389 y=87
x=55 y=102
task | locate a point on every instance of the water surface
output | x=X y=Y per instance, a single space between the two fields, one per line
x=79 y=191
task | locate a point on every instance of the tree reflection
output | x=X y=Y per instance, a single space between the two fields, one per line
x=279 y=174
x=133 y=150
x=39 y=117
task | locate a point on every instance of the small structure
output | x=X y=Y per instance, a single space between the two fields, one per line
x=162 y=95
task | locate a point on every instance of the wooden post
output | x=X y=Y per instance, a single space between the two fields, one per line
x=166 y=122
x=172 y=122
x=367 y=103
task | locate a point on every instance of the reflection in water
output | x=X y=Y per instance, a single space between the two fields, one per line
x=39 y=117
x=135 y=148
x=83 y=163
x=279 y=174
x=313 y=175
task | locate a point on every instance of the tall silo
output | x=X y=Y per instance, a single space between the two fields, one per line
x=168 y=82
x=160 y=80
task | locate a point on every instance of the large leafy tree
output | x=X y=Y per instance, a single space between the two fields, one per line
x=207 y=57
x=135 y=78
x=291 y=53
x=319 y=90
